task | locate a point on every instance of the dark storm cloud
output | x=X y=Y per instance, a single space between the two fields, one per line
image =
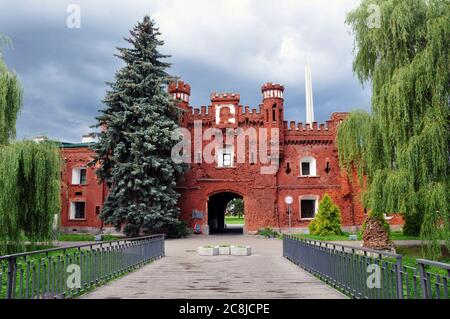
x=63 y=71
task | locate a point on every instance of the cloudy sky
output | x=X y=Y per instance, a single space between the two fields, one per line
x=216 y=46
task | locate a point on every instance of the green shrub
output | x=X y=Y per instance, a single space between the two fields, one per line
x=268 y=232
x=328 y=219
x=178 y=230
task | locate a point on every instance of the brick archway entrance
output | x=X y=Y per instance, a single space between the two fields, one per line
x=217 y=204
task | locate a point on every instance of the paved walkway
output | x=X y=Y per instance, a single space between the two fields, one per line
x=183 y=274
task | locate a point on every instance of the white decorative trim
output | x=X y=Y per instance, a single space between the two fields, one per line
x=273 y=94
x=232 y=111
x=181 y=96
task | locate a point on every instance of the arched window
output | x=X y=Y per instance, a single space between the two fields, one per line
x=308 y=166
x=274 y=112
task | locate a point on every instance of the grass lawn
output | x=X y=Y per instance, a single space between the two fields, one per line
x=234 y=220
x=395 y=235
x=84 y=237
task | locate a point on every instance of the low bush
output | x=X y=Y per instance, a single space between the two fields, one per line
x=328 y=219
x=178 y=230
x=268 y=232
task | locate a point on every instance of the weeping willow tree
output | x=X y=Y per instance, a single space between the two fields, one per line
x=10 y=102
x=29 y=176
x=402 y=146
x=29 y=192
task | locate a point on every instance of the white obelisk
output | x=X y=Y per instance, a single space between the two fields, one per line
x=309 y=95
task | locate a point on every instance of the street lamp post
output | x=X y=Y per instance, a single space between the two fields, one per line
x=289 y=200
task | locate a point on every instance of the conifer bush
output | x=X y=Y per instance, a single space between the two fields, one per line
x=328 y=219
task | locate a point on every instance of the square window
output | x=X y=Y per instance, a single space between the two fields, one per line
x=225 y=157
x=226 y=160
x=79 y=176
x=306 y=171
x=308 y=208
x=77 y=210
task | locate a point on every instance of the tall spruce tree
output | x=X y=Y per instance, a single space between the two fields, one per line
x=402 y=146
x=134 y=148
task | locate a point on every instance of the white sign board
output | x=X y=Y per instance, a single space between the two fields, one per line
x=289 y=200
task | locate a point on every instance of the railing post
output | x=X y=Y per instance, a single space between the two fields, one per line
x=398 y=275
x=11 y=281
x=423 y=281
x=164 y=245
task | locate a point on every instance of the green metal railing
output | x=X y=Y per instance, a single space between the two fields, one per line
x=366 y=273
x=70 y=271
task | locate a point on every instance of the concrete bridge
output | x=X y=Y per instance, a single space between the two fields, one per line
x=184 y=274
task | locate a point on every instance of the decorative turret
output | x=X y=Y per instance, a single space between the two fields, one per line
x=181 y=91
x=272 y=91
x=273 y=104
x=272 y=109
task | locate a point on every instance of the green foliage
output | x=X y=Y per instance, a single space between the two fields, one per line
x=328 y=219
x=179 y=229
x=134 y=151
x=402 y=146
x=10 y=103
x=394 y=235
x=29 y=176
x=235 y=207
x=343 y=237
x=268 y=232
x=29 y=192
x=436 y=218
x=85 y=237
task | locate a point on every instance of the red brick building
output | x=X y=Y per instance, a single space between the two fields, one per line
x=82 y=196
x=308 y=168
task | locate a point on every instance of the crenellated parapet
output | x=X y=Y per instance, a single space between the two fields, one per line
x=225 y=98
x=300 y=133
x=225 y=111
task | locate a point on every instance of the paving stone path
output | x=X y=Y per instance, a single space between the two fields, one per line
x=183 y=274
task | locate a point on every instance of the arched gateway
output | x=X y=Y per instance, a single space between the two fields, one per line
x=217 y=205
